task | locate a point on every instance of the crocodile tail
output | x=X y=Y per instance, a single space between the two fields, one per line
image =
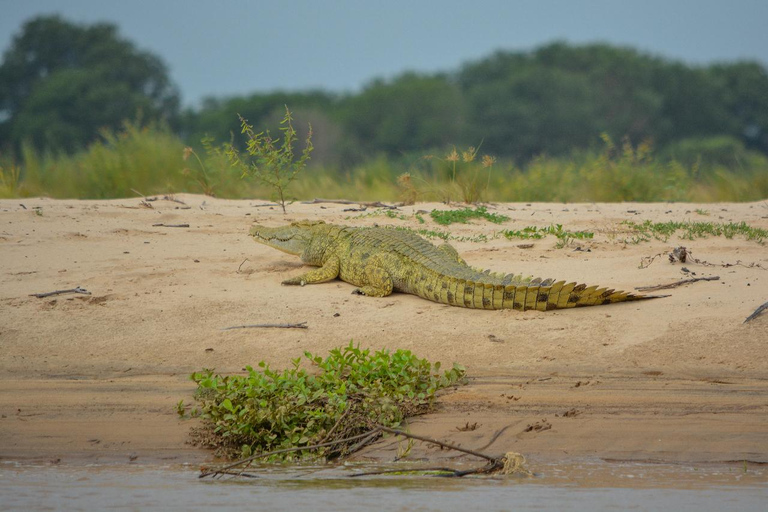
x=538 y=294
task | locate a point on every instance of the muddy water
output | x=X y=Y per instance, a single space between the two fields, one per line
x=587 y=486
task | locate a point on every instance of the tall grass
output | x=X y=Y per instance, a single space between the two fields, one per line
x=151 y=160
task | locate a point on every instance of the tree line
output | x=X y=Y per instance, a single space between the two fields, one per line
x=61 y=83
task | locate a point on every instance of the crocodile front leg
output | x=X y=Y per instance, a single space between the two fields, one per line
x=328 y=272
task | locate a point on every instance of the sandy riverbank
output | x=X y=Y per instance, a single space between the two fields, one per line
x=97 y=377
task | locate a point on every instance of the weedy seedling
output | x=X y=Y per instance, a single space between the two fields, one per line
x=272 y=162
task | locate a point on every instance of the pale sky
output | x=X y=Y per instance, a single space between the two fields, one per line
x=233 y=47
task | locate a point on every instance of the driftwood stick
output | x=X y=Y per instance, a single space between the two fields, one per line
x=263 y=205
x=173 y=199
x=675 y=284
x=161 y=225
x=206 y=471
x=300 y=325
x=439 y=443
x=82 y=291
x=446 y=471
x=376 y=204
x=757 y=313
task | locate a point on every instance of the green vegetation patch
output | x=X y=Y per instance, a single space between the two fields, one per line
x=352 y=390
x=692 y=230
x=464 y=215
x=533 y=232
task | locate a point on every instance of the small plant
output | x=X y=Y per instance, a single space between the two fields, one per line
x=206 y=180
x=408 y=192
x=564 y=237
x=352 y=389
x=272 y=162
x=447 y=217
x=691 y=230
x=468 y=180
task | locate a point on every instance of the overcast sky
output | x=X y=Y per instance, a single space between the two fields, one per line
x=229 y=47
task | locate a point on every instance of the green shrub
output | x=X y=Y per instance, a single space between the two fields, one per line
x=353 y=389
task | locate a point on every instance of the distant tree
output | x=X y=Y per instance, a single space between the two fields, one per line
x=410 y=112
x=560 y=97
x=535 y=110
x=217 y=117
x=60 y=83
x=744 y=91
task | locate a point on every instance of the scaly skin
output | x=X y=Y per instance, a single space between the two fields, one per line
x=382 y=260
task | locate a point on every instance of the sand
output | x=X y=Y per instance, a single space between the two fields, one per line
x=97 y=377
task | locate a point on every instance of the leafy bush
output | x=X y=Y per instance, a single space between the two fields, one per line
x=267 y=410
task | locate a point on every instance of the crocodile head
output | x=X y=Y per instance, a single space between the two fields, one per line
x=294 y=238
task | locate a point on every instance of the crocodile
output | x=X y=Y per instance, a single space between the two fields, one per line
x=380 y=260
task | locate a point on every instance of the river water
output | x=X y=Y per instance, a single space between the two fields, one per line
x=584 y=486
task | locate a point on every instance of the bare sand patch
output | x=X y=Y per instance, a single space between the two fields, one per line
x=98 y=376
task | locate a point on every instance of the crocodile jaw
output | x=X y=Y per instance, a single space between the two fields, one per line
x=290 y=239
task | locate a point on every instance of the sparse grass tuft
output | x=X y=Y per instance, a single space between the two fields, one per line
x=564 y=237
x=692 y=230
x=447 y=217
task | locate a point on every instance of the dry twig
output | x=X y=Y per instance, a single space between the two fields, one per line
x=215 y=471
x=376 y=204
x=161 y=225
x=82 y=291
x=675 y=284
x=300 y=325
x=757 y=313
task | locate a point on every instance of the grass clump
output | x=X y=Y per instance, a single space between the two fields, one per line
x=9 y=181
x=447 y=217
x=352 y=389
x=691 y=230
x=469 y=178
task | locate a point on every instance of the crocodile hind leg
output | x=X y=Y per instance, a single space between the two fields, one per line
x=376 y=282
x=451 y=252
x=328 y=272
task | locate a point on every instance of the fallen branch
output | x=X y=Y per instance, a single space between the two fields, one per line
x=215 y=471
x=161 y=225
x=441 y=471
x=439 y=443
x=757 y=313
x=263 y=205
x=300 y=325
x=675 y=284
x=376 y=204
x=82 y=291
x=509 y=463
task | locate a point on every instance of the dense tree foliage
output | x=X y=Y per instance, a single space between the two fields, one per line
x=60 y=83
x=552 y=100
